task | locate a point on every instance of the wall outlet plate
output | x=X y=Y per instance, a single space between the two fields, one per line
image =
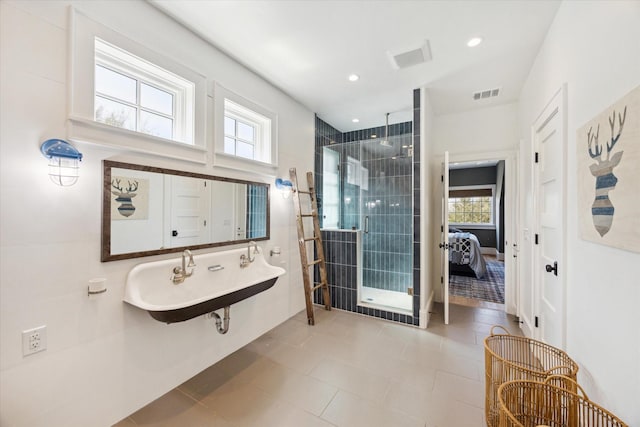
x=34 y=340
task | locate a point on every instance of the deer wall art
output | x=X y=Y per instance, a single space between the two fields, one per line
x=126 y=207
x=608 y=175
x=602 y=209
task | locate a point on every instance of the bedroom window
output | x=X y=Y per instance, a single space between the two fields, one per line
x=134 y=94
x=472 y=205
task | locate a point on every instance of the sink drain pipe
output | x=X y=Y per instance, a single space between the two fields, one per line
x=222 y=324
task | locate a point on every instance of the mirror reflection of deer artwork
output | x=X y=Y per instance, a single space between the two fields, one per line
x=602 y=209
x=123 y=197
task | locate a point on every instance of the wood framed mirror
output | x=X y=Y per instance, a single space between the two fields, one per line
x=148 y=211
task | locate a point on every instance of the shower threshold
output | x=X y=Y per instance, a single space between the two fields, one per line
x=397 y=302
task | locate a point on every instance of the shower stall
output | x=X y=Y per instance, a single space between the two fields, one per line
x=367 y=191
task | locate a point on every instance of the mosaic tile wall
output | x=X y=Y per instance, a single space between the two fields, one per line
x=416 y=206
x=257 y=202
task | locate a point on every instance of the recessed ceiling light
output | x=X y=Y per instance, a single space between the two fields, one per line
x=474 y=41
x=355 y=120
x=354 y=77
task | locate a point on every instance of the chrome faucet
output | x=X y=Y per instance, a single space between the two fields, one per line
x=247 y=259
x=180 y=273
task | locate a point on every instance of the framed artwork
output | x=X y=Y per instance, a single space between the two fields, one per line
x=608 y=175
x=130 y=198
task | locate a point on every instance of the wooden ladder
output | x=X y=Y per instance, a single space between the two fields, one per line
x=302 y=242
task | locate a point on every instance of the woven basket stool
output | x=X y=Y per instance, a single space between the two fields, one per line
x=509 y=357
x=550 y=403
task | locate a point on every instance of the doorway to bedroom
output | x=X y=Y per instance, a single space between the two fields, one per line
x=476 y=213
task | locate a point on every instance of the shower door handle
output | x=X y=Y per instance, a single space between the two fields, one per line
x=366 y=224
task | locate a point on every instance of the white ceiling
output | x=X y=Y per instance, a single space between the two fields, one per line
x=308 y=48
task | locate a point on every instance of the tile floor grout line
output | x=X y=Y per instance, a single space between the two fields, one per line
x=432 y=358
x=328 y=404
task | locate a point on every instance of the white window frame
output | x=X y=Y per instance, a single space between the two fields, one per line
x=120 y=61
x=235 y=136
x=260 y=124
x=487 y=225
x=329 y=222
x=82 y=124
x=228 y=103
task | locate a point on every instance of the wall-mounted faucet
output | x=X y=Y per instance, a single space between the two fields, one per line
x=180 y=273
x=247 y=259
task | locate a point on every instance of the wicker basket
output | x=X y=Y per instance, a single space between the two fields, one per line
x=510 y=357
x=537 y=404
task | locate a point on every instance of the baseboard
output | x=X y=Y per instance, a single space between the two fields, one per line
x=425 y=314
x=500 y=256
x=487 y=251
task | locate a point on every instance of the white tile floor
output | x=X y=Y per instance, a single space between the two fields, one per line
x=347 y=370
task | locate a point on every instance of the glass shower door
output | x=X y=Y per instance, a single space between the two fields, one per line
x=384 y=175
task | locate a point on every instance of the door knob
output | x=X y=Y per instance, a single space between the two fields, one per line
x=443 y=245
x=549 y=268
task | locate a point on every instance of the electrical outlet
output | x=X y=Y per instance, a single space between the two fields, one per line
x=34 y=340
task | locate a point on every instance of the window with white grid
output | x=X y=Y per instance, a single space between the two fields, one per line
x=134 y=94
x=471 y=205
x=247 y=133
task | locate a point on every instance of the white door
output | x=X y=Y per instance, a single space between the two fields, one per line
x=444 y=236
x=549 y=202
x=222 y=216
x=512 y=250
x=189 y=211
x=511 y=225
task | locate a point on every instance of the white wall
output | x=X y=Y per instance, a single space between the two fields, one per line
x=476 y=134
x=427 y=264
x=483 y=130
x=593 y=47
x=105 y=359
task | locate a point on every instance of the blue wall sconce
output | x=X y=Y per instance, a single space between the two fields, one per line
x=64 y=161
x=284 y=186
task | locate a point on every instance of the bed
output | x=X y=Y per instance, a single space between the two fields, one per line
x=465 y=256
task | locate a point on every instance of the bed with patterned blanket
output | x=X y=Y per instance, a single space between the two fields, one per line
x=465 y=256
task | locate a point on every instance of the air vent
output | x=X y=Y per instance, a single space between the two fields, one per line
x=410 y=57
x=484 y=94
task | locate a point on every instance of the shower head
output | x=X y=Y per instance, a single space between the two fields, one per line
x=385 y=142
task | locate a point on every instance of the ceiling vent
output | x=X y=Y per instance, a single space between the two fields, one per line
x=484 y=94
x=408 y=58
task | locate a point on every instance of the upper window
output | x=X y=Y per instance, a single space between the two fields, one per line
x=247 y=134
x=134 y=94
x=471 y=205
x=125 y=95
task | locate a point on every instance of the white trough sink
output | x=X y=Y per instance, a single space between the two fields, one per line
x=217 y=281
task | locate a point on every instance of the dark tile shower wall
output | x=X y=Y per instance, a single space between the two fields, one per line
x=257 y=201
x=416 y=206
x=341 y=258
x=389 y=222
x=340 y=247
